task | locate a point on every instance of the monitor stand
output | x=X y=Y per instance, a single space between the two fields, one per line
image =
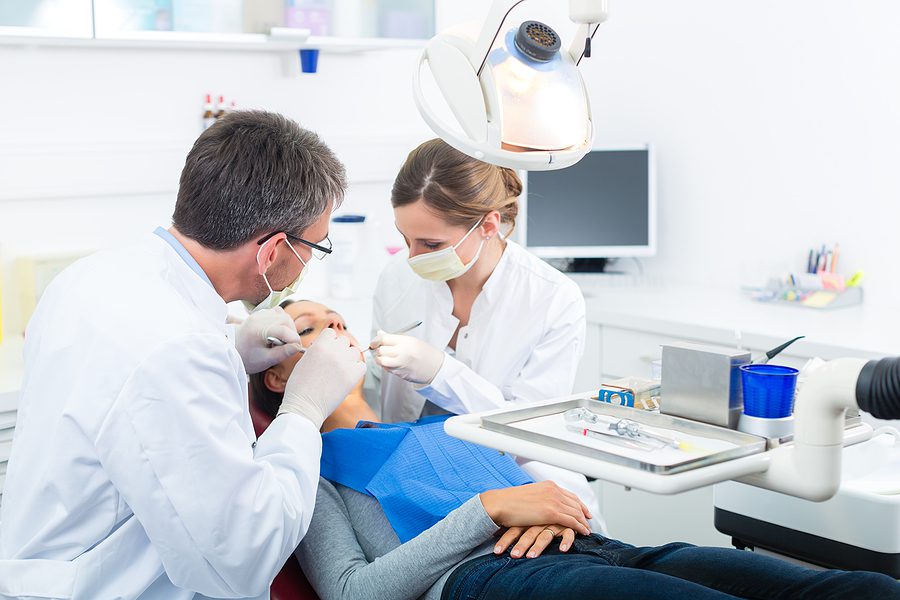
x=587 y=265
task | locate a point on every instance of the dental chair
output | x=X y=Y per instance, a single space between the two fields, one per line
x=290 y=583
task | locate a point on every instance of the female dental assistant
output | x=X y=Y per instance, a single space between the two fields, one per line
x=499 y=325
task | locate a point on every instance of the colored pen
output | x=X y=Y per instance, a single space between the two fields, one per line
x=834 y=258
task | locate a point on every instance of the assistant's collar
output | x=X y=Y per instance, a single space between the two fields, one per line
x=494 y=280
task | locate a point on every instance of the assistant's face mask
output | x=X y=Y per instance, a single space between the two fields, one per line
x=275 y=298
x=444 y=264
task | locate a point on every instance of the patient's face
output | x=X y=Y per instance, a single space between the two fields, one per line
x=310 y=319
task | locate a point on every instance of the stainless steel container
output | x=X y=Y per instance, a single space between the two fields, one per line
x=703 y=383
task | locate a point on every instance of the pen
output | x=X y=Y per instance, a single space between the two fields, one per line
x=810 y=267
x=834 y=258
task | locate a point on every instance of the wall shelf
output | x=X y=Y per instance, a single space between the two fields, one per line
x=239 y=42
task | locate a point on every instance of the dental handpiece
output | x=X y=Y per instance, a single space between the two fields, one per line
x=623 y=427
x=634 y=430
x=609 y=436
x=577 y=416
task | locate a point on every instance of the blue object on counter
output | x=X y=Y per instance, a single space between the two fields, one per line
x=349 y=219
x=769 y=390
x=616 y=395
x=309 y=60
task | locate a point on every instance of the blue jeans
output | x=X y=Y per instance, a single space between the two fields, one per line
x=598 y=568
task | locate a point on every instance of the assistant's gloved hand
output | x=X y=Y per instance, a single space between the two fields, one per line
x=407 y=357
x=250 y=339
x=322 y=379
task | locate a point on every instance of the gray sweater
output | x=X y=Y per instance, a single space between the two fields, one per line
x=351 y=551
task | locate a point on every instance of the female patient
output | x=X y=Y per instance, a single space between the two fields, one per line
x=353 y=551
x=267 y=387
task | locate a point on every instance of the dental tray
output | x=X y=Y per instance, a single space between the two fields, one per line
x=529 y=433
x=545 y=425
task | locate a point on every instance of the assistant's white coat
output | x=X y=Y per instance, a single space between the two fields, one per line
x=523 y=342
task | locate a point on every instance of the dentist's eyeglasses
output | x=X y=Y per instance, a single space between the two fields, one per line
x=319 y=250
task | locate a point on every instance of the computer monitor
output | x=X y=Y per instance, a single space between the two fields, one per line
x=602 y=207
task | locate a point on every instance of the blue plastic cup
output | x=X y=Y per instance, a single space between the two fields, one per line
x=309 y=60
x=769 y=390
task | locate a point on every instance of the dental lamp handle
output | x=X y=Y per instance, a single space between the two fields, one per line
x=588 y=13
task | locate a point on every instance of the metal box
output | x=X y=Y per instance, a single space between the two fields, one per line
x=703 y=383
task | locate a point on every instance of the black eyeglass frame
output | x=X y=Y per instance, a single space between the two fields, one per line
x=318 y=247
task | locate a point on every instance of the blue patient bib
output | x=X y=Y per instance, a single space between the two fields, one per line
x=417 y=472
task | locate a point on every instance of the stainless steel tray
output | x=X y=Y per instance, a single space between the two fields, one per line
x=746 y=444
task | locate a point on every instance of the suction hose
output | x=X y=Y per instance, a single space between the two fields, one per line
x=878 y=388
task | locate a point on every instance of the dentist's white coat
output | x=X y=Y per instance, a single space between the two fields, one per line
x=135 y=472
x=523 y=342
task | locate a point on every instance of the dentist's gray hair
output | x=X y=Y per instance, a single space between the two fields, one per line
x=253 y=173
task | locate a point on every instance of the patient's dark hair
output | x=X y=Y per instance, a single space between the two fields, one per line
x=254 y=172
x=265 y=399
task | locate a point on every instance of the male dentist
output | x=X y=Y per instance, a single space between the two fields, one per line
x=135 y=472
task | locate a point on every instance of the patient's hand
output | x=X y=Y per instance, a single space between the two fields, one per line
x=533 y=540
x=536 y=504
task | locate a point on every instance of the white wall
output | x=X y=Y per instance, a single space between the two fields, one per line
x=92 y=141
x=776 y=125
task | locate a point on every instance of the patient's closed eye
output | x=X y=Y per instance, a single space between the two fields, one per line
x=306 y=331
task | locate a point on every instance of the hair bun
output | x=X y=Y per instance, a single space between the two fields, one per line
x=511 y=181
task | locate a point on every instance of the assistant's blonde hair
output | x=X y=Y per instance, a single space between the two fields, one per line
x=459 y=188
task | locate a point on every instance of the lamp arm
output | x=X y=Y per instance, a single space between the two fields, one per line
x=499 y=10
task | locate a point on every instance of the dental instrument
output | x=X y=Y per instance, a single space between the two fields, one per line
x=401 y=331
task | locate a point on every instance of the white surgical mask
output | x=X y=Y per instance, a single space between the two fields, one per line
x=275 y=298
x=444 y=264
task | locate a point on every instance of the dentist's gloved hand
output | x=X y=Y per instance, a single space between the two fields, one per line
x=250 y=339
x=407 y=357
x=323 y=378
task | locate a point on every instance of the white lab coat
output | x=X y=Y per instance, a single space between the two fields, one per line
x=523 y=342
x=135 y=471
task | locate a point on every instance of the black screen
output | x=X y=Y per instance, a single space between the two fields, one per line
x=603 y=200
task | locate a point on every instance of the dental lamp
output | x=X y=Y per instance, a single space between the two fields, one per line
x=519 y=99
